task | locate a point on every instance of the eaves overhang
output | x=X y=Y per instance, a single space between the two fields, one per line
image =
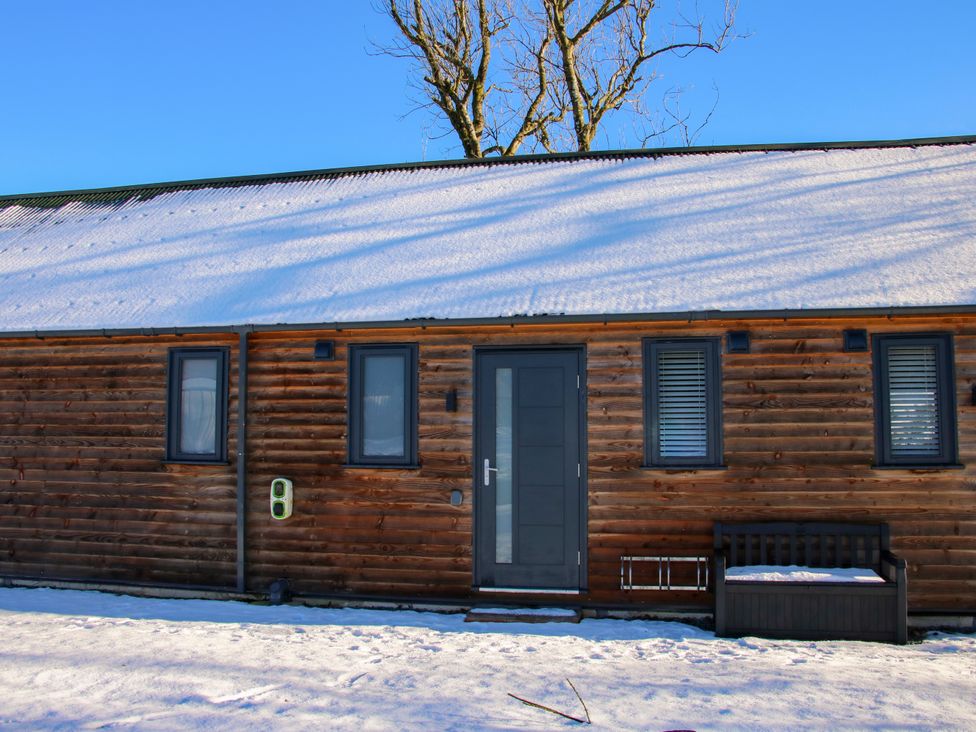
x=690 y=316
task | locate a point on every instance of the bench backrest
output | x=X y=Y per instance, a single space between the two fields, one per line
x=808 y=544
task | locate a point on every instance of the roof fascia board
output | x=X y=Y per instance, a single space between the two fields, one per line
x=119 y=192
x=605 y=318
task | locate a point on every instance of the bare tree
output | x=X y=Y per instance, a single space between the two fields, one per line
x=546 y=74
x=453 y=49
x=673 y=119
x=603 y=50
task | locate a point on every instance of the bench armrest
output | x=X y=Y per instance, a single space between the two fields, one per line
x=893 y=568
x=721 y=562
x=720 y=600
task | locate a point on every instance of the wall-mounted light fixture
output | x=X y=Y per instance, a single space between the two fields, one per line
x=855 y=340
x=324 y=350
x=456 y=498
x=450 y=401
x=737 y=341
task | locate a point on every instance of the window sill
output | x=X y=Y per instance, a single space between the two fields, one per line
x=915 y=466
x=388 y=466
x=683 y=468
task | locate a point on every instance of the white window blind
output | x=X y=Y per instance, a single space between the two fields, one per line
x=682 y=404
x=913 y=401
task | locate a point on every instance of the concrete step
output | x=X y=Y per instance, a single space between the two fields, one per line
x=523 y=615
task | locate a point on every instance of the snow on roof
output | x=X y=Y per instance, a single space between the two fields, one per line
x=773 y=230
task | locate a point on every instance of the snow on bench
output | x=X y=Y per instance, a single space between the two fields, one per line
x=795 y=573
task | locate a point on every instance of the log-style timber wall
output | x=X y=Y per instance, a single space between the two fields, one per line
x=85 y=492
x=799 y=445
x=798 y=433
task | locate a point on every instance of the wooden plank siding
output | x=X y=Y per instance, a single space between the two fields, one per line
x=84 y=490
x=799 y=445
x=358 y=530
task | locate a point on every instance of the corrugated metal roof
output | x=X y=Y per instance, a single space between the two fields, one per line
x=117 y=194
x=842 y=225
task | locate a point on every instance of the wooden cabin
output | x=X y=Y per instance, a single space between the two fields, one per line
x=536 y=379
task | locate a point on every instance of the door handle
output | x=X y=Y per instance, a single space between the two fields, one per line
x=488 y=471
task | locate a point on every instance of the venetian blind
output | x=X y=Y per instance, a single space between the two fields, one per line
x=913 y=401
x=682 y=404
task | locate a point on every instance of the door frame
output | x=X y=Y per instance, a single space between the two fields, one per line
x=580 y=350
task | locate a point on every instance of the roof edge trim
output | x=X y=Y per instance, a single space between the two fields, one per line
x=153 y=189
x=605 y=318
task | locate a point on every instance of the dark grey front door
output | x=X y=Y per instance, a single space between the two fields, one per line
x=527 y=469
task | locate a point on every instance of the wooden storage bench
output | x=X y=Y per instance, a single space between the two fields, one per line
x=795 y=582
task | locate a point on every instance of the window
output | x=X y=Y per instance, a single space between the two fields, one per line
x=383 y=405
x=914 y=400
x=682 y=407
x=196 y=421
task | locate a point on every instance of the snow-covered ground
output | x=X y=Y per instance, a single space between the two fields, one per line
x=77 y=660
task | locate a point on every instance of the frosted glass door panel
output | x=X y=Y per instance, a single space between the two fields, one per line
x=503 y=461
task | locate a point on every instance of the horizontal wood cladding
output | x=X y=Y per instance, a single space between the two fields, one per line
x=85 y=492
x=390 y=531
x=798 y=430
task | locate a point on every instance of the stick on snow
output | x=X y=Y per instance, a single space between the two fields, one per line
x=556 y=711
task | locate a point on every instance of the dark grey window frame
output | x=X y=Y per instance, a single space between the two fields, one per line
x=174 y=394
x=712 y=348
x=357 y=357
x=948 y=456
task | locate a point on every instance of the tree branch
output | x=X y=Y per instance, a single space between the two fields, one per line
x=548 y=74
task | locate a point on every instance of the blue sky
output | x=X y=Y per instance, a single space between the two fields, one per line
x=112 y=93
